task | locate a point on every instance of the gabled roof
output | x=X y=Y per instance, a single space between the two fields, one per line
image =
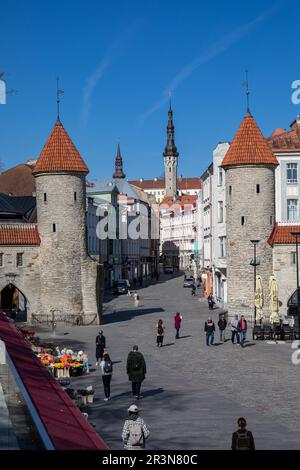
x=60 y=154
x=286 y=141
x=17 y=206
x=249 y=147
x=281 y=234
x=18 y=181
x=19 y=234
x=182 y=183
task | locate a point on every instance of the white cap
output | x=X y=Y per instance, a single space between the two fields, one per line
x=80 y=353
x=133 y=409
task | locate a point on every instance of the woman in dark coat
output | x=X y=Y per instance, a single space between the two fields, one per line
x=136 y=370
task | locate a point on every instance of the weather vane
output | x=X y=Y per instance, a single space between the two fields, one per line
x=58 y=93
x=247 y=92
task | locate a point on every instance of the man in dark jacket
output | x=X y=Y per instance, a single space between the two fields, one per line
x=136 y=370
x=100 y=346
x=209 y=328
x=242 y=329
x=242 y=439
x=222 y=323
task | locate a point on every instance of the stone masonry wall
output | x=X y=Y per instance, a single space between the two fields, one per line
x=285 y=273
x=258 y=210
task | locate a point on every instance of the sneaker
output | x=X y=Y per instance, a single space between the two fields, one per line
x=136 y=396
x=96 y=364
x=105 y=399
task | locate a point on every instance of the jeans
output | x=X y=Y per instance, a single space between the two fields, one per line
x=235 y=333
x=106 y=383
x=177 y=333
x=211 y=336
x=222 y=335
x=136 y=388
x=242 y=337
x=86 y=366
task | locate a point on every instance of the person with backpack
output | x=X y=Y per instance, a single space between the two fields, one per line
x=106 y=370
x=136 y=370
x=160 y=331
x=242 y=439
x=209 y=328
x=222 y=323
x=177 y=324
x=135 y=431
x=100 y=346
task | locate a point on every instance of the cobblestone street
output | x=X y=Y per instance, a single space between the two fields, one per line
x=193 y=394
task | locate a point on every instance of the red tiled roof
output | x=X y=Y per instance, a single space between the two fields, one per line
x=182 y=200
x=60 y=154
x=281 y=235
x=249 y=147
x=182 y=183
x=286 y=141
x=65 y=426
x=19 y=234
x=17 y=181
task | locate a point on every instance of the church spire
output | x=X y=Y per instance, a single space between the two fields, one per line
x=170 y=158
x=170 y=149
x=119 y=173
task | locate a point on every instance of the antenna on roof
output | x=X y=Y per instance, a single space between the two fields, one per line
x=247 y=92
x=58 y=92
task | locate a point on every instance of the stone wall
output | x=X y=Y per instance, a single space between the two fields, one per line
x=285 y=273
x=26 y=278
x=258 y=210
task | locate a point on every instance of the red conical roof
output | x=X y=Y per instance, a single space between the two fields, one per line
x=60 y=154
x=249 y=147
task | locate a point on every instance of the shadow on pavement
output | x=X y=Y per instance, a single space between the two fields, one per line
x=125 y=315
x=186 y=336
x=167 y=344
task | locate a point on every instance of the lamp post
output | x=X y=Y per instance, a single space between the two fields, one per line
x=254 y=262
x=297 y=235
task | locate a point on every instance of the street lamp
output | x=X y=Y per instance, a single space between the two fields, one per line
x=254 y=262
x=296 y=235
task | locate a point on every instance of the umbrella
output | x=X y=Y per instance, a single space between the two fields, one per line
x=259 y=298
x=273 y=300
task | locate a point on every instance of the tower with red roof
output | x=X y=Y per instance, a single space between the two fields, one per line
x=250 y=214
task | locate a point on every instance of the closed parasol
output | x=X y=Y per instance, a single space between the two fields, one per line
x=259 y=299
x=273 y=300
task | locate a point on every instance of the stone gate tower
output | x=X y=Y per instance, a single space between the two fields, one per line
x=68 y=275
x=250 y=212
x=171 y=158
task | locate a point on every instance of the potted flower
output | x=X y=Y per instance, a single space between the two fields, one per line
x=83 y=393
x=90 y=394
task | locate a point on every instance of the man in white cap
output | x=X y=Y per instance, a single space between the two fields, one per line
x=135 y=431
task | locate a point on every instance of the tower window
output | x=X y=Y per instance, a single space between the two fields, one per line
x=54 y=228
x=45 y=197
x=242 y=220
x=257 y=189
x=75 y=196
x=271 y=220
x=19 y=259
x=230 y=189
x=169 y=169
x=1 y=260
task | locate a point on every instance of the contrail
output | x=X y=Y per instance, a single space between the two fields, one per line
x=113 y=52
x=214 y=50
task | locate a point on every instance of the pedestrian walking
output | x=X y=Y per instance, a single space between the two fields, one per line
x=160 y=331
x=193 y=290
x=234 y=330
x=100 y=346
x=136 y=370
x=209 y=328
x=106 y=371
x=242 y=329
x=135 y=431
x=222 y=323
x=82 y=356
x=211 y=302
x=242 y=439
x=177 y=322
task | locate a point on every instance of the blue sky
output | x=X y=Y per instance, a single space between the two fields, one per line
x=117 y=62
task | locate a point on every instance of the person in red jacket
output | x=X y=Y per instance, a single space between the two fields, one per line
x=177 y=320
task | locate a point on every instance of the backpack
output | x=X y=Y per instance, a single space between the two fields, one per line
x=108 y=367
x=136 y=436
x=160 y=330
x=243 y=441
x=137 y=363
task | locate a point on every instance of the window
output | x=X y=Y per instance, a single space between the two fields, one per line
x=54 y=228
x=292 y=209
x=220 y=212
x=292 y=172
x=1 y=260
x=271 y=220
x=222 y=246
x=19 y=259
x=293 y=257
x=257 y=189
x=230 y=189
x=242 y=220
x=220 y=176
x=75 y=196
x=45 y=197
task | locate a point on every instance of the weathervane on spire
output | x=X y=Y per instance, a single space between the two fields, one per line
x=58 y=93
x=247 y=92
